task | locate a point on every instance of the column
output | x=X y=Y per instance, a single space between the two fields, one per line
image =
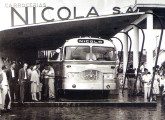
x=125 y=52
x=149 y=42
x=135 y=46
x=125 y=56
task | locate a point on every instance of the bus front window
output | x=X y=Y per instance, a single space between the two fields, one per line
x=104 y=53
x=76 y=52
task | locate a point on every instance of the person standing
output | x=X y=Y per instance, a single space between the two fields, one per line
x=162 y=83
x=6 y=99
x=146 y=78
x=51 y=76
x=23 y=79
x=34 y=83
x=130 y=74
x=46 y=80
x=40 y=83
x=13 y=82
x=156 y=85
x=138 y=85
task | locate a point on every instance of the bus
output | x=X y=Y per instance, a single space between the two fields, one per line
x=85 y=64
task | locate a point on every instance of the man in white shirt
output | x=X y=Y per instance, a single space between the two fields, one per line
x=51 y=76
x=6 y=99
x=146 y=78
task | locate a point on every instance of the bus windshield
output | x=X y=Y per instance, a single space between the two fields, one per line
x=76 y=52
x=104 y=53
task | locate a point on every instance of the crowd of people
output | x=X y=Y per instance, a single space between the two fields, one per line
x=31 y=83
x=142 y=85
x=28 y=83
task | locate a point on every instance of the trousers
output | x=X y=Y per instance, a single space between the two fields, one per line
x=51 y=88
x=6 y=98
x=146 y=91
x=131 y=82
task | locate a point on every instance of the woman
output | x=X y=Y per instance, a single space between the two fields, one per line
x=156 y=85
x=34 y=83
x=39 y=87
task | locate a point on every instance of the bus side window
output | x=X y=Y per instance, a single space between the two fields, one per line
x=54 y=55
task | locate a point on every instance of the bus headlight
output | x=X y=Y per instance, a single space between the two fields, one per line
x=108 y=86
x=108 y=76
x=73 y=86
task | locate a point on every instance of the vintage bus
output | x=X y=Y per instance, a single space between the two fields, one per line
x=85 y=64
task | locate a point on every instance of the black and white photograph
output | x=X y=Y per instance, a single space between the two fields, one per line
x=82 y=60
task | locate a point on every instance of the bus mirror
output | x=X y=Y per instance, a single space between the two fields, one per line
x=58 y=50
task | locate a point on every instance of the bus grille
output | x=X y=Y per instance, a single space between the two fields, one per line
x=91 y=75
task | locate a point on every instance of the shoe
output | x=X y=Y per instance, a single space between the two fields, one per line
x=22 y=103
x=51 y=98
x=4 y=110
x=9 y=110
x=36 y=100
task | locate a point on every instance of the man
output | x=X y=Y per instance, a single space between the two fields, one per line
x=13 y=82
x=6 y=99
x=130 y=74
x=23 y=80
x=46 y=81
x=51 y=76
x=146 y=78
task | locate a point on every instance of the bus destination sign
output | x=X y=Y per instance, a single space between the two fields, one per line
x=90 y=41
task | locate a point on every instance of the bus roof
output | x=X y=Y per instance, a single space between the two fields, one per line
x=88 y=41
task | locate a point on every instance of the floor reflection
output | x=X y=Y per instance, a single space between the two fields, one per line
x=82 y=113
x=90 y=113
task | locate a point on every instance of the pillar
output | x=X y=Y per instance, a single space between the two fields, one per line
x=135 y=46
x=125 y=52
x=125 y=56
x=149 y=42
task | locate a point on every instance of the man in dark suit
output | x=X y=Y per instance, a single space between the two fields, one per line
x=23 y=80
x=12 y=76
x=130 y=74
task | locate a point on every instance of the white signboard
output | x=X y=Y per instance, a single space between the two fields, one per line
x=22 y=12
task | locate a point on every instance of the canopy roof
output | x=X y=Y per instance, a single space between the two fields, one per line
x=53 y=34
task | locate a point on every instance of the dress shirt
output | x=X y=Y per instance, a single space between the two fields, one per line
x=25 y=74
x=12 y=73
